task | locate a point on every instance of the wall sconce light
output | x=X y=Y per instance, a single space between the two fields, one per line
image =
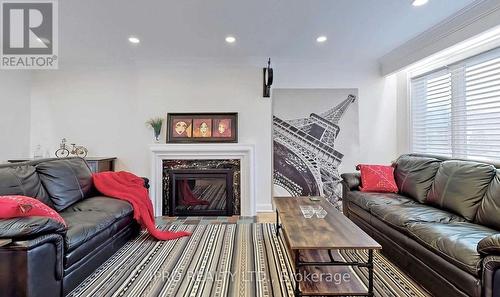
x=267 y=79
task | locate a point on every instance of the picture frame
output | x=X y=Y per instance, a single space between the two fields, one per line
x=202 y=127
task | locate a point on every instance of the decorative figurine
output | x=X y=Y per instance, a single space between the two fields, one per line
x=63 y=151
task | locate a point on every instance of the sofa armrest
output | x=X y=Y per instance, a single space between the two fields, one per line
x=351 y=180
x=29 y=227
x=27 y=245
x=146 y=182
x=32 y=268
x=489 y=245
x=491 y=276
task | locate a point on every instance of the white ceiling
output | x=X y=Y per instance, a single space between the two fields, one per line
x=284 y=29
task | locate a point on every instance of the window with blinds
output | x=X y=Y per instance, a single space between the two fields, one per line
x=455 y=111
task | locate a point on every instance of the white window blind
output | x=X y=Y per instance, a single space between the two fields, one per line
x=455 y=111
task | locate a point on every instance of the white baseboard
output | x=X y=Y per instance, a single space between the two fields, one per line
x=264 y=207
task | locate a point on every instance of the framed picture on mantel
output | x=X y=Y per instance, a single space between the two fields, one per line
x=202 y=127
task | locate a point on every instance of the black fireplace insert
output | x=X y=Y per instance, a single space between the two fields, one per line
x=205 y=192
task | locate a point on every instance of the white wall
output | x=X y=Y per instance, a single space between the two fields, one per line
x=105 y=108
x=14 y=114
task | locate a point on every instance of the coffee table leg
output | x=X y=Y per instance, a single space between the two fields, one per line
x=277 y=223
x=331 y=256
x=370 y=273
x=296 y=276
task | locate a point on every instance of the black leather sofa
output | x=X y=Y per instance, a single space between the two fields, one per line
x=442 y=228
x=45 y=258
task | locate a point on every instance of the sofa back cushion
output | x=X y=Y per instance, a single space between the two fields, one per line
x=22 y=179
x=66 y=180
x=488 y=213
x=414 y=175
x=459 y=186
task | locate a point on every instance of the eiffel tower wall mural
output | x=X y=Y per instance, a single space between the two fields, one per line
x=315 y=131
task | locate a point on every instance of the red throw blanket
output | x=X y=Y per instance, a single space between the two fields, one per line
x=129 y=187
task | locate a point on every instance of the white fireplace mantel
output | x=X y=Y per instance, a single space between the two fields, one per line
x=201 y=151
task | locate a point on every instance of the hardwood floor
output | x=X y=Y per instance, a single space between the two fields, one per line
x=266 y=217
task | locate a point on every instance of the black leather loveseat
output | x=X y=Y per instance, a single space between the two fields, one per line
x=443 y=226
x=45 y=258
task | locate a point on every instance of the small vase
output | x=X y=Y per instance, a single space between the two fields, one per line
x=156 y=137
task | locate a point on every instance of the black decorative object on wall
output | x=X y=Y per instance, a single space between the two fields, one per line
x=267 y=79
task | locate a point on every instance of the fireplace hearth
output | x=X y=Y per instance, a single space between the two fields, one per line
x=201 y=187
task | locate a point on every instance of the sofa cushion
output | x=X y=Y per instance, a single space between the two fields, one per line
x=22 y=180
x=66 y=180
x=91 y=222
x=457 y=242
x=401 y=215
x=367 y=200
x=88 y=217
x=414 y=175
x=377 y=178
x=488 y=213
x=18 y=206
x=459 y=186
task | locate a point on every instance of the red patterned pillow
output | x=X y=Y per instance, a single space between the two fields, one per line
x=377 y=178
x=22 y=206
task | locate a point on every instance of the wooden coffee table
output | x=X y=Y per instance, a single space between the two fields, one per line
x=314 y=245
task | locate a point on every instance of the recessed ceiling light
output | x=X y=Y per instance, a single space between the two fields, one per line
x=134 y=40
x=419 y=2
x=321 y=39
x=230 y=39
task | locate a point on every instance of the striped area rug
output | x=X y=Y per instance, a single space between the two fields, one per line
x=229 y=260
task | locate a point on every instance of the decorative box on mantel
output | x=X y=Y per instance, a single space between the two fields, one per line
x=244 y=153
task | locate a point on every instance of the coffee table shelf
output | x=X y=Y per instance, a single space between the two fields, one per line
x=352 y=287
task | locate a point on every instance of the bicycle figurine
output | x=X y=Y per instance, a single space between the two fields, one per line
x=76 y=150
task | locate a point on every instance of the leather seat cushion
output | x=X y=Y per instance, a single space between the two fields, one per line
x=459 y=186
x=66 y=180
x=367 y=200
x=91 y=222
x=456 y=242
x=22 y=180
x=414 y=175
x=401 y=215
x=489 y=210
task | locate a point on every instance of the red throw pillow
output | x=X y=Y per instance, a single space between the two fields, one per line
x=377 y=178
x=22 y=206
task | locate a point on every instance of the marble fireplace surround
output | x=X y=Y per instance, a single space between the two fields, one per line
x=201 y=151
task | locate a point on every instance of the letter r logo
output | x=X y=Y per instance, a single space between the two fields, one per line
x=27 y=28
